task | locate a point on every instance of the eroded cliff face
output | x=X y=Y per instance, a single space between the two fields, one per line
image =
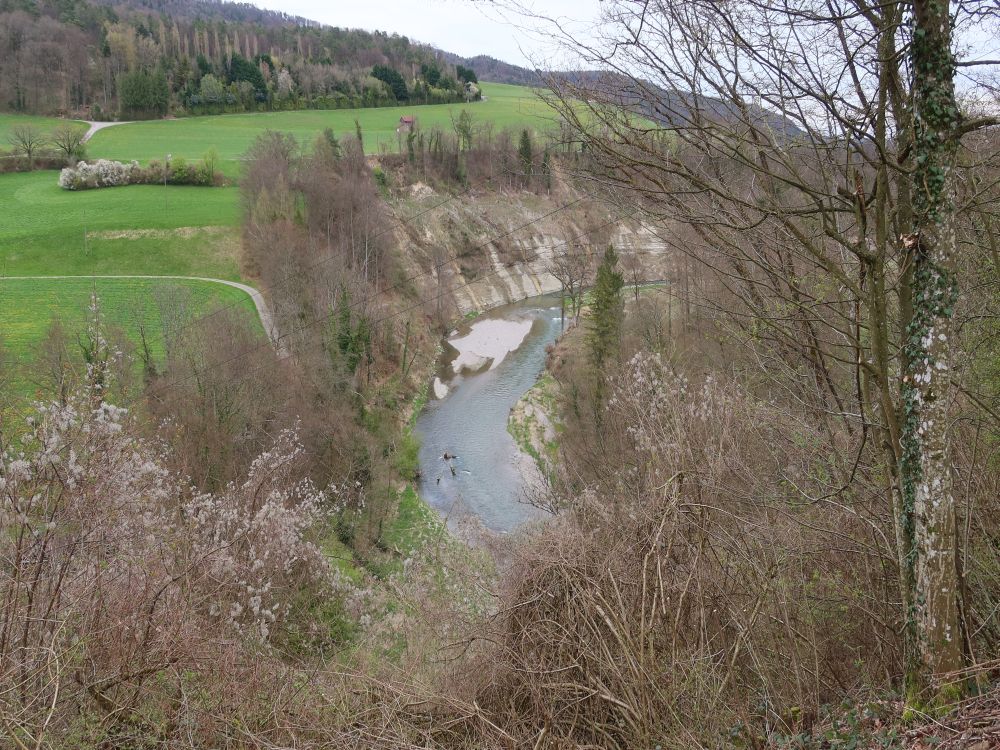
x=486 y=249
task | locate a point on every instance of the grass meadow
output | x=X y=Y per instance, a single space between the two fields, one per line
x=29 y=307
x=173 y=230
x=230 y=135
x=133 y=230
x=139 y=229
x=45 y=124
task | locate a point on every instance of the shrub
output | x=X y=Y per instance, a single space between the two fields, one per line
x=125 y=581
x=105 y=173
x=12 y=163
x=686 y=590
x=382 y=180
x=179 y=172
x=102 y=173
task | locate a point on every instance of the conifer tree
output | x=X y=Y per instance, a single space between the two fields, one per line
x=334 y=144
x=607 y=310
x=524 y=150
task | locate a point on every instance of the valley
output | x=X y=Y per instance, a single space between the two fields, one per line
x=356 y=393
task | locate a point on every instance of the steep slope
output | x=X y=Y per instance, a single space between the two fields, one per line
x=491 y=248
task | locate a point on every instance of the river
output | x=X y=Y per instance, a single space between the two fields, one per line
x=466 y=416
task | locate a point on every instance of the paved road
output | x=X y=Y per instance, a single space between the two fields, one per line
x=263 y=311
x=95 y=126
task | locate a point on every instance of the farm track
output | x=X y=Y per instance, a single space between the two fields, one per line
x=94 y=126
x=259 y=303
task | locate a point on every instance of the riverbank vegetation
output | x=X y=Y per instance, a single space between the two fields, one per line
x=771 y=479
x=697 y=564
x=213 y=411
x=790 y=496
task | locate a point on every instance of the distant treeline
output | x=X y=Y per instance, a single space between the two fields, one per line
x=191 y=57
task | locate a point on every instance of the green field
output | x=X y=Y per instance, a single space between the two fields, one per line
x=146 y=229
x=43 y=227
x=155 y=230
x=45 y=124
x=505 y=107
x=28 y=308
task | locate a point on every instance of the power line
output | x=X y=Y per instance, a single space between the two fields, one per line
x=374 y=296
x=389 y=316
x=333 y=256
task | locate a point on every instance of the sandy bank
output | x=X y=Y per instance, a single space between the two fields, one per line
x=489 y=340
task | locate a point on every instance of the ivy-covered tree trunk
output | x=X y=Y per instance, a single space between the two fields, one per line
x=928 y=497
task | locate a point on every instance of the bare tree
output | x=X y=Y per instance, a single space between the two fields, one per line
x=823 y=189
x=27 y=140
x=573 y=268
x=56 y=373
x=68 y=140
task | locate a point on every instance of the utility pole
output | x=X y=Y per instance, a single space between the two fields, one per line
x=166 y=169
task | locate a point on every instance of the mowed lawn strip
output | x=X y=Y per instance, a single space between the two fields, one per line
x=139 y=229
x=28 y=308
x=505 y=106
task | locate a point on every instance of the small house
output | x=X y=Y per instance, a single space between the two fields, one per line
x=406 y=124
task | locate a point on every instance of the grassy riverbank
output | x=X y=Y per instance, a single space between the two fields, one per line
x=534 y=422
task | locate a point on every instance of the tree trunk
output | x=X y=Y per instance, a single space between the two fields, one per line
x=562 y=309
x=925 y=466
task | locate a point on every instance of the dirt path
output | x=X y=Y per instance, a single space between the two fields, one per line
x=95 y=126
x=263 y=311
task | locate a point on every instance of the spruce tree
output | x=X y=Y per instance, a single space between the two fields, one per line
x=524 y=150
x=331 y=139
x=607 y=310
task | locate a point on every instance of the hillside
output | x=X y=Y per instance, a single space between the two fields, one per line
x=350 y=399
x=175 y=230
x=147 y=59
x=496 y=71
x=143 y=59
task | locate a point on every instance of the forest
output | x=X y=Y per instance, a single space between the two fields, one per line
x=108 y=60
x=713 y=325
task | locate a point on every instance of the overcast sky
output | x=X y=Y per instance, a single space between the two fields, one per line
x=478 y=27
x=460 y=26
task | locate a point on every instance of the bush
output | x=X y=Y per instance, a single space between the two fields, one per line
x=13 y=163
x=381 y=180
x=180 y=173
x=102 y=173
x=686 y=589
x=115 y=570
x=105 y=173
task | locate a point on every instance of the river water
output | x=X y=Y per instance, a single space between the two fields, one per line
x=467 y=418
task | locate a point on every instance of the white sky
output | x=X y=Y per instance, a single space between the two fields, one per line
x=479 y=27
x=460 y=26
